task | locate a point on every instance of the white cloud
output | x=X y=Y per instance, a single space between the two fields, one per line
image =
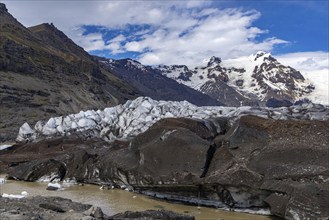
x=119 y=38
x=176 y=31
x=227 y=33
x=133 y=46
x=93 y=41
x=306 y=61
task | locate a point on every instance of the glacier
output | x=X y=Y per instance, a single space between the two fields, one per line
x=126 y=121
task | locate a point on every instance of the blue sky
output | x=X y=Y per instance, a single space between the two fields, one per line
x=187 y=32
x=303 y=23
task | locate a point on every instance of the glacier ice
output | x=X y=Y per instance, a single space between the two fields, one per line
x=127 y=120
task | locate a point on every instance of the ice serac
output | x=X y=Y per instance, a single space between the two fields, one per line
x=134 y=117
x=243 y=81
x=25 y=133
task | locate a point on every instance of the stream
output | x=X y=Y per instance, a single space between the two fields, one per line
x=115 y=200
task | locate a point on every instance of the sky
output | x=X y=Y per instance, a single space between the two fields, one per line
x=188 y=32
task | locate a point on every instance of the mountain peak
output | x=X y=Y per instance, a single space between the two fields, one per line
x=46 y=27
x=214 y=60
x=3 y=8
x=7 y=19
x=260 y=54
x=52 y=36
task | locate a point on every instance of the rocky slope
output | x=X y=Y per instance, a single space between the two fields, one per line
x=44 y=73
x=245 y=80
x=238 y=158
x=153 y=84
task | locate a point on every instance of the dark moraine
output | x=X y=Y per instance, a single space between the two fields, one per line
x=259 y=163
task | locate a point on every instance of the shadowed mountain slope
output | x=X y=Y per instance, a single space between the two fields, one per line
x=44 y=73
x=153 y=84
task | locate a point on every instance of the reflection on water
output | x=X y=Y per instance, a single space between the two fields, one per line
x=114 y=201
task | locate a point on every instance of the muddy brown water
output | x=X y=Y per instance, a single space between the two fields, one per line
x=115 y=200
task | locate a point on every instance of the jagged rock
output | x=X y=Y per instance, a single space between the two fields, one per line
x=98 y=213
x=94 y=212
x=296 y=200
x=34 y=170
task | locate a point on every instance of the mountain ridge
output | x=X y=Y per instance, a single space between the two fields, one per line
x=258 y=77
x=153 y=84
x=43 y=73
x=252 y=80
x=57 y=39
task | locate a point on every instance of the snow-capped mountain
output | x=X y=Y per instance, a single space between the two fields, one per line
x=252 y=80
x=150 y=82
x=258 y=77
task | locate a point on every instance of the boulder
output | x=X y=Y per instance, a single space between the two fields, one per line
x=94 y=212
x=34 y=170
x=53 y=186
